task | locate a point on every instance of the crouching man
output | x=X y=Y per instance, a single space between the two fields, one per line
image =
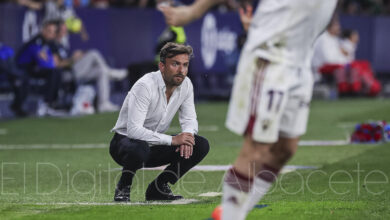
x=145 y=116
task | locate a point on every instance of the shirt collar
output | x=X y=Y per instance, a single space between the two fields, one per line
x=160 y=81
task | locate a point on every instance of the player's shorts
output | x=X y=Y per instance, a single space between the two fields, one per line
x=270 y=100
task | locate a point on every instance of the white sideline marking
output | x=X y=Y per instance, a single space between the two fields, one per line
x=51 y=146
x=208 y=128
x=347 y=125
x=176 y=202
x=3 y=131
x=320 y=143
x=105 y=145
x=286 y=169
x=211 y=194
x=305 y=143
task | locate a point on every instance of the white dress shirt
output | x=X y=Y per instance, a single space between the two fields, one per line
x=146 y=115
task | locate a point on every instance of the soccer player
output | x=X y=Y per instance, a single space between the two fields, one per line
x=146 y=114
x=272 y=91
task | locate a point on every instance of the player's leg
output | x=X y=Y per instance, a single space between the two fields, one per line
x=292 y=125
x=268 y=100
x=239 y=179
x=272 y=160
x=243 y=189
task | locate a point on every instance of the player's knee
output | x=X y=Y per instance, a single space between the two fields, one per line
x=259 y=152
x=257 y=155
x=251 y=155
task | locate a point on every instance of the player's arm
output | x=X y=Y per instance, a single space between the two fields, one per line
x=246 y=15
x=182 y=15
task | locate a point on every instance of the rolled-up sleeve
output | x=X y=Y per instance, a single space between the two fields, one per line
x=187 y=113
x=138 y=104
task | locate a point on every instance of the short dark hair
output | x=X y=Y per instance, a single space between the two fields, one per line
x=171 y=49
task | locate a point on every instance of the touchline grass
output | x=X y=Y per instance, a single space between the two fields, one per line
x=351 y=182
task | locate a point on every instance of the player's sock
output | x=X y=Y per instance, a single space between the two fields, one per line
x=261 y=184
x=235 y=194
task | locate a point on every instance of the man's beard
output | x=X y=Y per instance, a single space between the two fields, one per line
x=173 y=82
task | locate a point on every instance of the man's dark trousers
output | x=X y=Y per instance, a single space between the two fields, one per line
x=134 y=154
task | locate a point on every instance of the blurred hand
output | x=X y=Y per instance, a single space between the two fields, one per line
x=246 y=14
x=185 y=151
x=176 y=16
x=182 y=15
x=183 y=139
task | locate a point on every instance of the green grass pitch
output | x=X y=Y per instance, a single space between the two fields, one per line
x=351 y=182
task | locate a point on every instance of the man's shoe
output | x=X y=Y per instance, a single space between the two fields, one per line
x=160 y=192
x=122 y=195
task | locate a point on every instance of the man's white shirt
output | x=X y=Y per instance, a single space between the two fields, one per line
x=146 y=115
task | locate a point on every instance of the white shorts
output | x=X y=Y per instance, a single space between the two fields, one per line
x=273 y=100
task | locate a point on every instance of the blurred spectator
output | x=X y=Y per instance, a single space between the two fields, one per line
x=334 y=56
x=87 y=66
x=370 y=85
x=15 y=76
x=349 y=42
x=228 y=5
x=328 y=49
x=37 y=61
x=60 y=10
x=366 y=7
x=102 y=4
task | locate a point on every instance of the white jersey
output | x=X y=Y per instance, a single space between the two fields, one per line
x=272 y=96
x=285 y=30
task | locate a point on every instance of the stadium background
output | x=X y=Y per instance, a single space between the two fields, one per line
x=130 y=36
x=36 y=153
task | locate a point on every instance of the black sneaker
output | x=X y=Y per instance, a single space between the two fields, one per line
x=160 y=192
x=122 y=195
